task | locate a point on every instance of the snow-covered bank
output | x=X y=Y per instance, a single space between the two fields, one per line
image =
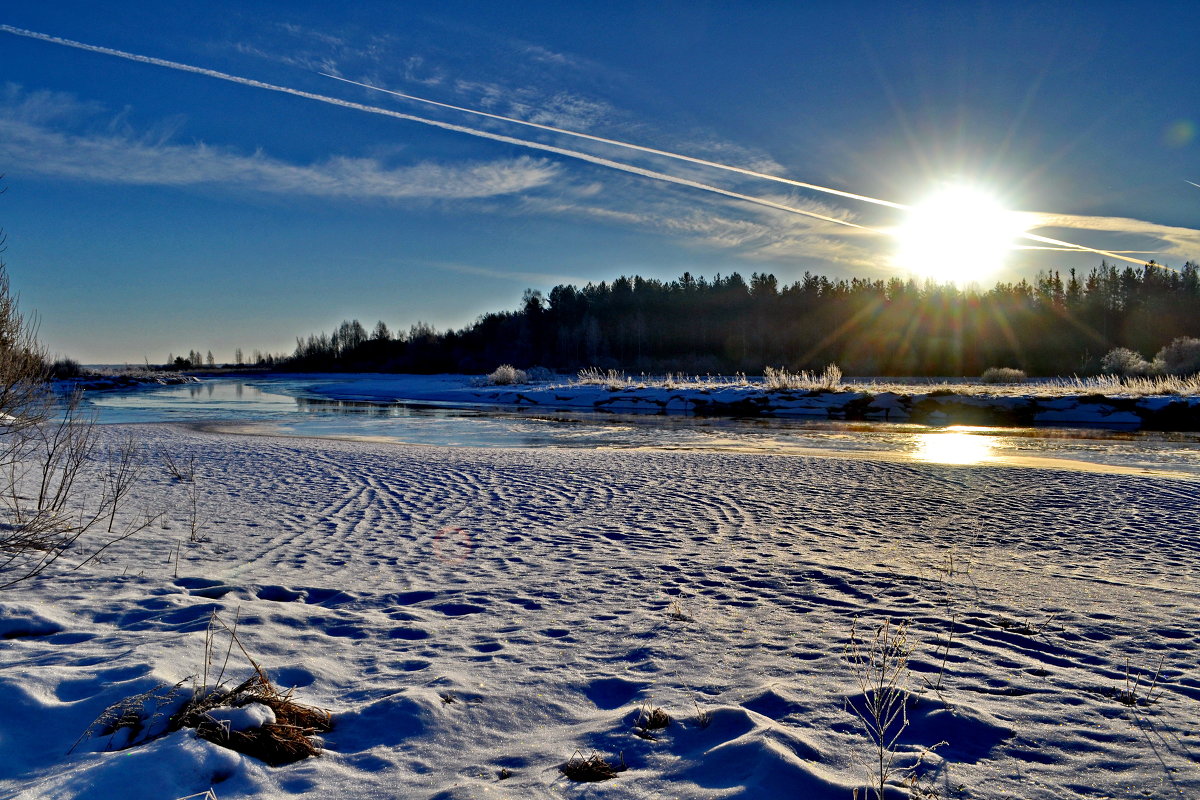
x=124 y=379
x=938 y=406
x=464 y=612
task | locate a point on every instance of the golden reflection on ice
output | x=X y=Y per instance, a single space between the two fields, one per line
x=955 y=447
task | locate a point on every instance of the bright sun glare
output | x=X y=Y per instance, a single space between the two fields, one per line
x=961 y=234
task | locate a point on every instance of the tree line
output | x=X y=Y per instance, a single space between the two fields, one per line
x=1055 y=324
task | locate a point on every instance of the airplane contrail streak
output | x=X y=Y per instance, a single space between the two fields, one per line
x=1197 y=185
x=1060 y=245
x=561 y=151
x=642 y=148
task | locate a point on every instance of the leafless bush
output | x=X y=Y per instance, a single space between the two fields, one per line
x=196 y=520
x=879 y=665
x=46 y=447
x=44 y=512
x=507 y=375
x=180 y=469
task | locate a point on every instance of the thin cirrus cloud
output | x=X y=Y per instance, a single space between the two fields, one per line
x=57 y=135
x=758 y=233
x=387 y=57
x=35 y=133
x=1173 y=240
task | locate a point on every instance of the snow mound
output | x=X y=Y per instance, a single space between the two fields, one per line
x=20 y=621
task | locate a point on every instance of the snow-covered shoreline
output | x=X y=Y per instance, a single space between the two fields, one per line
x=467 y=611
x=932 y=406
x=121 y=380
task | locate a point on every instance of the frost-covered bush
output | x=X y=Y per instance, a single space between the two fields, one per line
x=1181 y=356
x=539 y=375
x=1003 y=375
x=1123 y=361
x=507 y=375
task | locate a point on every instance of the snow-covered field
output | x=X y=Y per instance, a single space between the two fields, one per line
x=464 y=612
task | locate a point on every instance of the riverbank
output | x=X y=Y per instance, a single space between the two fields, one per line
x=118 y=380
x=950 y=404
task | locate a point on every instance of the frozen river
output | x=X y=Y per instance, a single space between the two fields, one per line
x=310 y=406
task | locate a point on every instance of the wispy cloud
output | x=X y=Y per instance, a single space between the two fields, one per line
x=40 y=132
x=723 y=225
x=1175 y=241
x=382 y=58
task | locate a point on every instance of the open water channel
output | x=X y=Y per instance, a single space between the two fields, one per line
x=303 y=406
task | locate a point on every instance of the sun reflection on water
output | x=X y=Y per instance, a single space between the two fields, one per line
x=955 y=446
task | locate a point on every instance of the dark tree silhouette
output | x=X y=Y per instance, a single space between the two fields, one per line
x=1050 y=326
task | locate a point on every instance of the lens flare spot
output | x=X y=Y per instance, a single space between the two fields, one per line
x=1180 y=133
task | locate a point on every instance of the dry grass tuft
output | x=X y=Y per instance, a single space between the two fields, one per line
x=286 y=740
x=591 y=769
x=1135 y=693
x=649 y=720
x=703 y=715
x=777 y=380
x=653 y=719
x=678 y=612
x=288 y=736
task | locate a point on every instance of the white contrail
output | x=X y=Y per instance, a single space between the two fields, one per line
x=562 y=151
x=604 y=162
x=628 y=145
x=1197 y=185
x=1058 y=245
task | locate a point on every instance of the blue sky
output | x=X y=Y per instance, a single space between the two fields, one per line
x=152 y=210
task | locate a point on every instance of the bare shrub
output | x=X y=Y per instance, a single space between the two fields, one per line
x=879 y=665
x=507 y=375
x=993 y=375
x=42 y=511
x=66 y=368
x=46 y=447
x=181 y=470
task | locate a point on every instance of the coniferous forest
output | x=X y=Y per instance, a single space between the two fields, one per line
x=1057 y=324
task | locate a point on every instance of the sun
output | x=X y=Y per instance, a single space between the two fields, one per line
x=960 y=234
